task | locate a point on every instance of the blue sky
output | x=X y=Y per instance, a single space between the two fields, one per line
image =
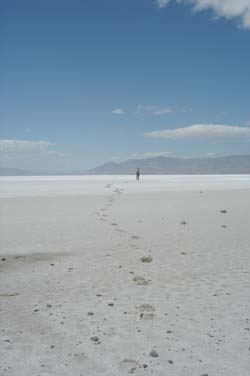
x=88 y=81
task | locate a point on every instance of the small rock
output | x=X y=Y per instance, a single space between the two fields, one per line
x=183 y=223
x=94 y=339
x=90 y=313
x=154 y=354
x=111 y=304
x=146 y=259
x=170 y=362
x=223 y=211
x=3 y=259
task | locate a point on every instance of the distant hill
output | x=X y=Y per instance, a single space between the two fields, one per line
x=238 y=164
x=169 y=165
x=8 y=171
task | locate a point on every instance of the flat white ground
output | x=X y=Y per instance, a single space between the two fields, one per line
x=70 y=270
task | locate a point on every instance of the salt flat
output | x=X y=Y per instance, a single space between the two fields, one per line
x=76 y=298
x=27 y=186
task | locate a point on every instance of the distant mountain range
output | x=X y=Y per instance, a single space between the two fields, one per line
x=172 y=166
x=9 y=171
x=238 y=164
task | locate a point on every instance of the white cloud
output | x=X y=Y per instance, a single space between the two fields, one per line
x=203 y=131
x=211 y=154
x=118 y=111
x=154 y=154
x=153 y=110
x=162 y=3
x=16 y=147
x=187 y=110
x=151 y=154
x=229 y=9
x=162 y=111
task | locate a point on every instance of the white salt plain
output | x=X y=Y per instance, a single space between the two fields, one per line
x=75 y=298
x=16 y=186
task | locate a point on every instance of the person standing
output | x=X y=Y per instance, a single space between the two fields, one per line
x=138 y=174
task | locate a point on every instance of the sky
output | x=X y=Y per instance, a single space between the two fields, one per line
x=84 y=82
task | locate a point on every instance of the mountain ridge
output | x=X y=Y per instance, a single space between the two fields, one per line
x=160 y=165
x=235 y=164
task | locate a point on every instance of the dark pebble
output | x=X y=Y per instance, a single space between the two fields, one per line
x=154 y=354
x=94 y=338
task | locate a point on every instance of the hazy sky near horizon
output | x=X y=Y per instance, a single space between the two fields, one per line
x=84 y=82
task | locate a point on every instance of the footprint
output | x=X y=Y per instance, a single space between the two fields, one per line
x=146 y=311
x=120 y=230
x=130 y=365
x=140 y=281
x=146 y=308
